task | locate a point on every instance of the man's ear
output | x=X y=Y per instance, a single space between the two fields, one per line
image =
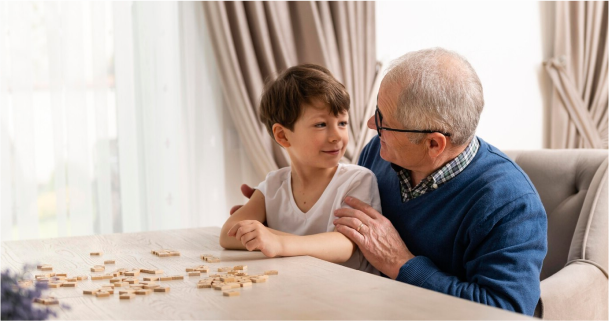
x=281 y=135
x=436 y=144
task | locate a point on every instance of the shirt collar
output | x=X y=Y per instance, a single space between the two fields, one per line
x=444 y=174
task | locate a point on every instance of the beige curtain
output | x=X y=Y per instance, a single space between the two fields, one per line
x=579 y=74
x=254 y=41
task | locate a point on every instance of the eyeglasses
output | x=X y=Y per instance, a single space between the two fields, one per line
x=378 y=121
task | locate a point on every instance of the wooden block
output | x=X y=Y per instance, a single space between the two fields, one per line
x=258 y=280
x=55 y=284
x=114 y=280
x=62 y=274
x=107 y=276
x=240 y=267
x=271 y=272
x=241 y=274
x=132 y=273
x=72 y=279
x=224 y=287
x=166 y=278
x=107 y=289
x=135 y=286
x=68 y=284
x=143 y=292
x=45 y=267
x=177 y=277
x=227 y=279
x=163 y=254
x=234 y=285
x=90 y=292
x=41 y=276
x=175 y=253
x=82 y=277
x=194 y=273
x=97 y=253
x=50 y=301
x=231 y=293
x=204 y=285
x=97 y=269
x=102 y=294
x=151 y=286
x=127 y=296
x=190 y=269
x=246 y=284
x=132 y=281
x=97 y=277
x=128 y=291
x=159 y=289
x=109 y=262
x=153 y=278
x=224 y=269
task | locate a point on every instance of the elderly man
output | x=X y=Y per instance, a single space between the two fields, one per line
x=459 y=217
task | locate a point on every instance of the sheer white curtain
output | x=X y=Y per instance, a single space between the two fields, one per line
x=112 y=120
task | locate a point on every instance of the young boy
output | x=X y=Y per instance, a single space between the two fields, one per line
x=306 y=111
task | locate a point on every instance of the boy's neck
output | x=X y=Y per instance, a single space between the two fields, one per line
x=306 y=176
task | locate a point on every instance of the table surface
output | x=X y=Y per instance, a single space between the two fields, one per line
x=306 y=288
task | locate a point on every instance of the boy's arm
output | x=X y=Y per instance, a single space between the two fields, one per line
x=330 y=246
x=254 y=209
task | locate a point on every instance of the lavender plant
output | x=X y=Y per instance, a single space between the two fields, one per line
x=17 y=300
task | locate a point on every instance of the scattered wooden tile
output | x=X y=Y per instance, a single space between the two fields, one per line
x=231 y=293
x=109 y=262
x=90 y=292
x=151 y=286
x=271 y=272
x=246 y=284
x=45 y=267
x=143 y=292
x=177 y=277
x=97 y=277
x=153 y=278
x=258 y=280
x=159 y=289
x=204 y=285
x=127 y=296
x=97 y=253
x=102 y=294
x=82 y=277
x=55 y=284
x=194 y=273
x=166 y=278
x=72 y=279
x=98 y=268
x=240 y=267
x=68 y=284
x=128 y=291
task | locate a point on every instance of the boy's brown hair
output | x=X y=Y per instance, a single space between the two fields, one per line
x=282 y=99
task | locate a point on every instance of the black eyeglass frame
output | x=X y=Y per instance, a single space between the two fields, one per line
x=378 y=118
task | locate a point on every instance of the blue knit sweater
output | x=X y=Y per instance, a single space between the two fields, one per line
x=481 y=236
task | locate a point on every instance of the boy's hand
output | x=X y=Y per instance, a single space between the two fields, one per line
x=255 y=236
x=247 y=192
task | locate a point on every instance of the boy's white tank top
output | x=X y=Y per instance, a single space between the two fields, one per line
x=282 y=213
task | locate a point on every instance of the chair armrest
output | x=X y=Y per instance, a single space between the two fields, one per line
x=578 y=291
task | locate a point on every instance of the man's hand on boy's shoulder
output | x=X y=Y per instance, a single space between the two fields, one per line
x=247 y=192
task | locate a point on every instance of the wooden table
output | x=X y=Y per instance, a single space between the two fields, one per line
x=306 y=288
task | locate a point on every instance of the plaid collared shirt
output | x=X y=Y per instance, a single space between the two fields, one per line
x=437 y=178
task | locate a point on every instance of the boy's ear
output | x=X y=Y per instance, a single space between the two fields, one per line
x=279 y=132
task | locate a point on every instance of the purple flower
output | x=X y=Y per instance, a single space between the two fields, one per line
x=17 y=301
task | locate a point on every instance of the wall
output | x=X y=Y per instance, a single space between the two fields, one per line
x=505 y=42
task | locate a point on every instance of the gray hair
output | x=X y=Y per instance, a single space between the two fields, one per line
x=439 y=90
